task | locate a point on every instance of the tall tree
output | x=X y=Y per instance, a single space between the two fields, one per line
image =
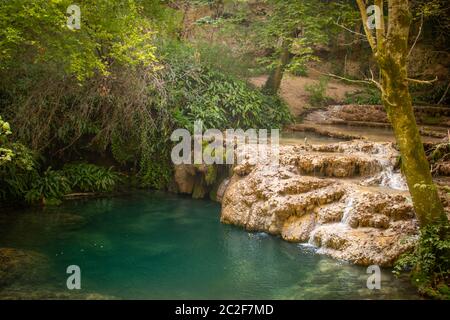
x=390 y=48
x=290 y=31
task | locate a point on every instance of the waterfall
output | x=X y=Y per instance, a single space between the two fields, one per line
x=342 y=224
x=391 y=179
x=388 y=177
x=347 y=209
x=311 y=242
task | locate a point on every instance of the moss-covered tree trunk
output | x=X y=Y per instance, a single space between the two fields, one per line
x=391 y=51
x=273 y=83
x=397 y=102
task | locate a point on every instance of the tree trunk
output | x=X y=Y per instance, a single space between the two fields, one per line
x=392 y=57
x=273 y=83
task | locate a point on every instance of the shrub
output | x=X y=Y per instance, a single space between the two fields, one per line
x=368 y=95
x=202 y=92
x=429 y=263
x=133 y=112
x=221 y=58
x=6 y=154
x=317 y=93
x=18 y=167
x=90 y=178
x=223 y=102
x=48 y=189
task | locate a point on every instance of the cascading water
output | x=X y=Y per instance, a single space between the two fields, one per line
x=391 y=179
x=388 y=177
x=311 y=241
x=348 y=208
x=343 y=223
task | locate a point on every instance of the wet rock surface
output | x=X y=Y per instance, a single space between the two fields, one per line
x=21 y=266
x=377 y=115
x=370 y=122
x=50 y=294
x=317 y=195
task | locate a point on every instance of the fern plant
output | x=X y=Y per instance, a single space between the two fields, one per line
x=49 y=188
x=86 y=177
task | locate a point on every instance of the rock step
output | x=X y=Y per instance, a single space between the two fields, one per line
x=345 y=220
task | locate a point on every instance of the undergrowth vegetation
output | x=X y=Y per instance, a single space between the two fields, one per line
x=429 y=263
x=122 y=103
x=86 y=177
x=317 y=93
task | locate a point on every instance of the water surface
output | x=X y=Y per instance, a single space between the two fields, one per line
x=158 y=246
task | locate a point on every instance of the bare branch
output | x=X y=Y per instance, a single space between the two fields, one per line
x=370 y=81
x=351 y=31
x=442 y=100
x=422 y=81
x=417 y=37
x=342 y=78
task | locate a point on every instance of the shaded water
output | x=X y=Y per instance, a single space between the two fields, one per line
x=298 y=138
x=155 y=245
x=374 y=134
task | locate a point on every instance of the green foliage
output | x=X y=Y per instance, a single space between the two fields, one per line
x=48 y=189
x=21 y=180
x=222 y=58
x=436 y=14
x=86 y=177
x=219 y=100
x=317 y=93
x=426 y=95
x=17 y=175
x=155 y=174
x=300 y=71
x=368 y=95
x=6 y=154
x=429 y=263
x=211 y=175
x=438 y=152
x=35 y=32
x=106 y=90
x=92 y=89
x=222 y=102
x=300 y=25
x=18 y=167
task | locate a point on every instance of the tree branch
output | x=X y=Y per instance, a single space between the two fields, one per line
x=422 y=81
x=342 y=78
x=442 y=100
x=349 y=30
x=417 y=37
x=370 y=81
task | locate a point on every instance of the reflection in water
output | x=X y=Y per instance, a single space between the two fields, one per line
x=154 y=245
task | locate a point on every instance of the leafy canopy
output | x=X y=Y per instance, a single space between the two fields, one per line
x=112 y=32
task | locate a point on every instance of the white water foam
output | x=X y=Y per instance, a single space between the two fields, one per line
x=348 y=208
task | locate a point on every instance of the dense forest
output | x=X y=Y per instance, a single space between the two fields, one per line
x=89 y=100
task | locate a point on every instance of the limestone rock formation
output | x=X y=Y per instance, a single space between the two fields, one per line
x=317 y=195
